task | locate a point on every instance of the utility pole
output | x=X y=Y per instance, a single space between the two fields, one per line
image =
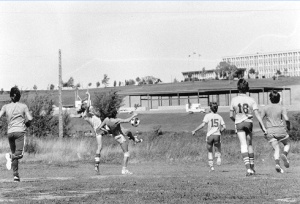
x=60 y=124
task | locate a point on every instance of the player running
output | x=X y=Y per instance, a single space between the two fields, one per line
x=114 y=126
x=18 y=119
x=215 y=125
x=241 y=109
x=277 y=132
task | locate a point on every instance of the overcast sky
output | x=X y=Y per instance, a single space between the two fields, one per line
x=133 y=39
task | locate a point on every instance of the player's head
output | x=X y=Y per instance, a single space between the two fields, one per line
x=274 y=96
x=15 y=94
x=243 y=86
x=213 y=106
x=83 y=106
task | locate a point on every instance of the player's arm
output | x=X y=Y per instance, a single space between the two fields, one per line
x=198 y=128
x=2 y=111
x=223 y=126
x=286 y=118
x=28 y=117
x=262 y=126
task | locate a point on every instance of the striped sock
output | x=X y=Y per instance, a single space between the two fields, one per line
x=251 y=160
x=285 y=153
x=246 y=160
x=277 y=161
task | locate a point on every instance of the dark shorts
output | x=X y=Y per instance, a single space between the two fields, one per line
x=244 y=127
x=213 y=139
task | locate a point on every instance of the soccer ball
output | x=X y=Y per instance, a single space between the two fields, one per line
x=135 y=122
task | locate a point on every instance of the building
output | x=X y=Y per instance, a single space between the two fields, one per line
x=268 y=64
x=208 y=74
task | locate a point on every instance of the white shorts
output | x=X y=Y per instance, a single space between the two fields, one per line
x=120 y=139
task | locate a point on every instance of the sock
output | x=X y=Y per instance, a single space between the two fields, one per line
x=277 y=162
x=210 y=163
x=285 y=153
x=97 y=159
x=251 y=160
x=246 y=160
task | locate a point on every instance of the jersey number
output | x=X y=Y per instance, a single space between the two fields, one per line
x=214 y=122
x=243 y=108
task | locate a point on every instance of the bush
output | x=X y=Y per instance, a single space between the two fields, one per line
x=295 y=127
x=107 y=104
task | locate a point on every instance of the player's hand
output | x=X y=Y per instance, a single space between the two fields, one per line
x=193 y=132
x=87 y=93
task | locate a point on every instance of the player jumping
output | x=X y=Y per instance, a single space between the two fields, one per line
x=18 y=119
x=241 y=109
x=277 y=132
x=215 y=125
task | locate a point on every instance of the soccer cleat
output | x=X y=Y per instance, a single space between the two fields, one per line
x=136 y=140
x=279 y=169
x=219 y=161
x=211 y=169
x=285 y=161
x=253 y=171
x=8 y=161
x=250 y=172
x=126 y=172
x=16 y=179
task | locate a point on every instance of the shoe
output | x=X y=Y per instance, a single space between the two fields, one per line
x=253 y=171
x=250 y=172
x=126 y=172
x=211 y=169
x=136 y=140
x=97 y=169
x=285 y=161
x=8 y=161
x=279 y=169
x=16 y=179
x=219 y=161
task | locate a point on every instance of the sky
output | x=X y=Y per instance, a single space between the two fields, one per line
x=130 y=39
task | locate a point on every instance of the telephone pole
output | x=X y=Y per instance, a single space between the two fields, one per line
x=60 y=123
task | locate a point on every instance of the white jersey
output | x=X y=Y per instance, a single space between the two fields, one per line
x=214 y=122
x=243 y=107
x=91 y=118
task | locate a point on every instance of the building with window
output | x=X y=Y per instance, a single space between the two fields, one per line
x=266 y=65
x=208 y=74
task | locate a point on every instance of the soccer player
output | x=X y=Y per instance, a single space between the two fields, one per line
x=18 y=119
x=87 y=113
x=277 y=132
x=215 y=125
x=241 y=109
x=114 y=125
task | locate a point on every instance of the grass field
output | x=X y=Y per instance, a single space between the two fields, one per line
x=151 y=183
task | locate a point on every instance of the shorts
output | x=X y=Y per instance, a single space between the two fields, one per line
x=213 y=139
x=276 y=133
x=244 y=127
x=120 y=139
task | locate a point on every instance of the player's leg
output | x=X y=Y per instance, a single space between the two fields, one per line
x=250 y=151
x=209 y=146
x=286 y=150
x=217 y=144
x=18 y=153
x=98 y=152
x=12 y=145
x=124 y=146
x=276 y=148
x=244 y=151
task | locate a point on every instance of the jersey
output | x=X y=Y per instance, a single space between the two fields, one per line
x=15 y=113
x=114 y=125
x=214 y=122
x=273 y=114
x=91 y=118
x=243 y=106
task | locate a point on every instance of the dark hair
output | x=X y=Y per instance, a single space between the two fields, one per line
x=243 y=86
x=274 y=96
x=15 y=94
x=213 y=106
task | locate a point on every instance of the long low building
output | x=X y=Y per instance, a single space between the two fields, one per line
x=267 y=64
